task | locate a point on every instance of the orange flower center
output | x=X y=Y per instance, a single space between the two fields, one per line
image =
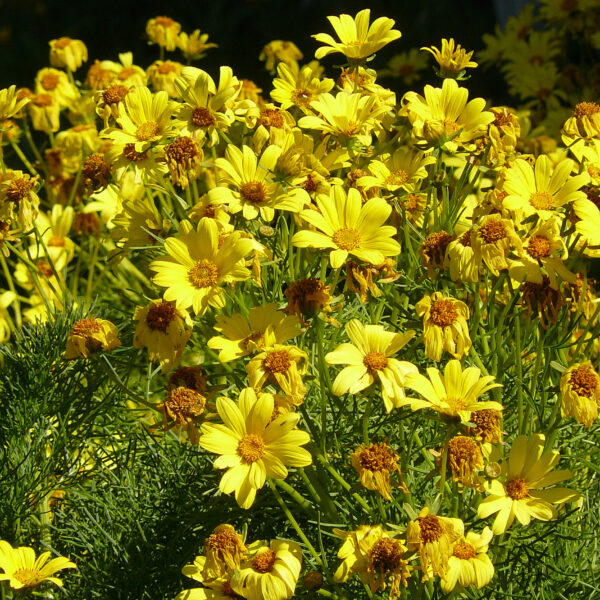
x=203 y=274
x=443 y=313
x=86 y=327
x=28 y=577
x=586 y=109
x=584 y=381
x=251 y=448
x=62 y=42
x=346 y=238
x=202 y=117
x=517 y=489
x=464 y=550
x=277 y=361
x=492 y=231
x=377 y=457
x=254 y=192
x=399 y=177
x=130 y=153
x=19 y=188
x=263 y=562
x=42 y=100
x=224 y=540
x=541 y=200
x=160 y=316
x=147 y=131
x=56 y=241
x=487 y=423
x=126 y=73
x=450 y=126
x=49 y=81
x=375 y=361
x=455 y=404
x=184 y=404
x=301 y=97
x=166 y=68
x=271 y=117
x=538 y=247
x=165 y=22
x=411 y=202
x=386 y=555
x=182 y=150
x=430 y=528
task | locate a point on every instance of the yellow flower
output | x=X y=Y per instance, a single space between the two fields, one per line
x=183 y=407
x=197 y=266
x=90 y=335
x=264 y=326
x=6 y=299
x=375 y=555
x=580 y=393
x=299 y=87
x=270 y=572
x=358 y=40
x=348 y=227
x=164 y=330
x=56 y=84
x=522 y=495
x=587 y=225
x=455 y=393
x=492 y=240
x=370 y=360
x=405 y=66
x=194 y=45
x=23 y=570
x=65 y=52
x=45 y=113
x=445 y=326
x=215 y=588
x=163 y=74
x=461 y=260
x=469 y=563
x=163 y=31
x=251 y=446
x=543 y=189
x=280 y=50
x=464 y=460
x=224 y=550
x=375 y=463
x=18 y=198
x=444 y=112
x=453 y=59
x=10 y=103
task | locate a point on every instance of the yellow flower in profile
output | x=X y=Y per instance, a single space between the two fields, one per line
x=10 y=103
x=492 y=240
x=224 y=550
x=522 y=492
x=163 y=74
x=194 y=45
x=455 y=393
x=65 y=52
x=375 y=556
x=264 y=326
x=24 y=571
x=375 y=463
x=370 y=359
x=580 y=393
x=453 y=59
x=269 y=572
x=348 y=227
x=251 y=446
x=163 y=31
x=197 y=266
x=543 y=189
x=280 y=50
x=215 y=588
x=358 y=40
x=469 y=563
x=445 y=326
x=90 y=335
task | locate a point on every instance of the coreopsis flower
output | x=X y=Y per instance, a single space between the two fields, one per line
x=224 y=550
x=251 y=446
x=433 y=251
x=587 y=225
x=376 y=556
x=194 y=45
x=584 y=123
x=369 y=357
x=44 y=111
x=183 y=157
x=469 y=563
x=488 y=426
x=269 y=572
x=67 y=53
x=57 y=85
x=454 y=393
x=164 y=330
x=452 y=59
x=432 y=537
x=306 y=297
x=280 y=51
x=542 y=189
x=375 y=463
x=460 y=258
x=580 y=393
x=348 y=227
x=542 y=300
x=444 y=113
x=10 y=102
x=196 y=266
x=163 y=31
x=358 y=39
x=283 y=365
x=523 y=491
x=213 y=588
x=241 y=336
x=163 y=74
x=194 y=378
x=405 y=66
x=23 y=571
x=18 y=198
x=183 y=407
x=464 y=460
x=503 y=133
x=299 y=87
x=492 y=240
x=445 y=326
x=90 y=335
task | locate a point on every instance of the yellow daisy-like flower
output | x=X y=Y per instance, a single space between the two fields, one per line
x=375 y=463
x=453 y=59
x=65 y=52
x=90 y=335
x=445 y=326
x=370 y=359
x=348 y=227
x=522 y=495
x=56 y=84
x=270 y=572
x=469 y=563
x=456 y=393
x=164 y=330
x=587 y=225
x=163 y=74
x=216 y=588
x=444 y=112
x=23 y=570
x=280 y=50
x=194 y=45
x=375 y=556
x=163 y=31
x=10 y=103
x=358 y=40
x=197 y=266
x=264 y=326
x=542 y=189
x=184 y=408
x=299 y=87
x=580 y=390
x=492 y=240
x=251 y=446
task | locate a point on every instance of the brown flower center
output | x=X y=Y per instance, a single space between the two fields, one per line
x=114 y=94
x=271 y=117
x=443 y=312
x=160 y=316
x=487 y=425
x=377 y=457
x=433 y=248
x=430 y=528
x=86 y=327
x=375 y=361
x=146 y=131
x=584 y=381
x=251 y=448
x=19 y=188
x=189 y=377
x=411 y=202
x=277 y=361
x=203 y=274
x=263 y=562
x=42 y=100
x=399 y=177
x=542 y=200
x=465 y=239
x=464 y=550
x=184 y=404
x=49 y=81
x=346 y=238
x=224 y=540
x=166 y=68
x=517 y=489
x=586 y=109
x=130 y=153
x=538 y=247
x=202 y=117
x=386 y=555
x=301 y=97
x=492 y=231
x=182 y=150
x=254 y=192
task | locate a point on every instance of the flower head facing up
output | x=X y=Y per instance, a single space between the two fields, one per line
x=23 y=570
x=521 y=492
x=358 y=40
x=90 y=335
x=251 y=446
